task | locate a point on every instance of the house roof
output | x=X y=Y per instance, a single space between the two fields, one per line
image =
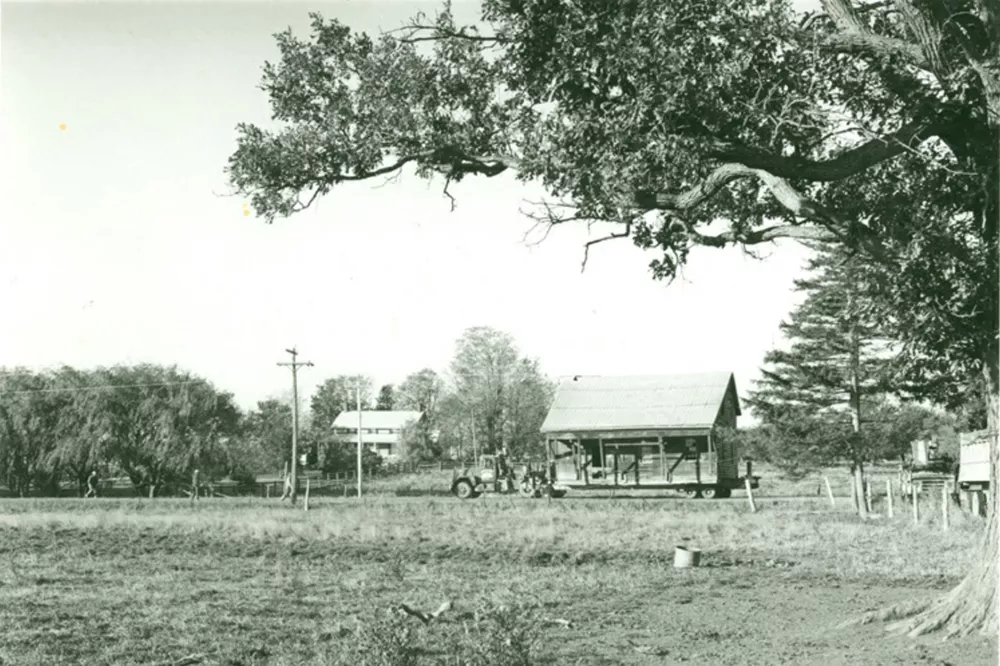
x=376 y=419
x=594 y=403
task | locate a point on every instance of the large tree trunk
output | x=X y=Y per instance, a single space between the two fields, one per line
x=972 y=605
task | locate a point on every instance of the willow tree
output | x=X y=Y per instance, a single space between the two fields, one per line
x=684 y=123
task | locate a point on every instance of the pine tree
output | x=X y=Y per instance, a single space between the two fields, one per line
x=836 y=367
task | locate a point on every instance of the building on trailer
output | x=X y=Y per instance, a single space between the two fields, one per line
x=652 y=432
x=380 y=430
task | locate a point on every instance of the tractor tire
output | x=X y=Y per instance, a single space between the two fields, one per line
x=463 y=490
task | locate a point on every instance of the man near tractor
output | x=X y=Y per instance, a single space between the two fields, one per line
x=504 y=472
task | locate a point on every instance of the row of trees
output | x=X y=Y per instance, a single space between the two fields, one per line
x=157 y=424
x=151 y=423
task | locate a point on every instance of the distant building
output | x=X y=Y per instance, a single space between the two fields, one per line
x=380 y=431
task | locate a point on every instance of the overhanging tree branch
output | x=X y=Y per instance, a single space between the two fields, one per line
x=788 y=196
x=418 y=32
x=766 y=235
x=846 y=164
x=830 y=226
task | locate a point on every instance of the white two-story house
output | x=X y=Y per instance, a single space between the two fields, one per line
x=380 y=430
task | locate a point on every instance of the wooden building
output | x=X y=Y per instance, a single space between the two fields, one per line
x=649 y=432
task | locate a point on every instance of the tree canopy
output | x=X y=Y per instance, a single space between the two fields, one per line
x=503 y=395
x=871 y=124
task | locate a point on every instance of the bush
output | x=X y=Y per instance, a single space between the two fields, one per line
x=339 y=457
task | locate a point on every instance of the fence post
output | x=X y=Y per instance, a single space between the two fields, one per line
x=305 y=502
x=888 y=496
x=194 y=486
x=868 y=495
x=916 y=504
x=151 y=489
x=753 y=505
x=974 y=503
x=944 y=506
x=829 y=491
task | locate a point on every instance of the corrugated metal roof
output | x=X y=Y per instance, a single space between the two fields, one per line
x=639 y=402
x=376 y=419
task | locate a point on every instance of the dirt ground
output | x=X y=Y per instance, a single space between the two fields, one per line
x=762 y=618
x=131 y=588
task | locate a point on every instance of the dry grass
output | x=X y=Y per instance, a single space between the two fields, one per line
x=249 y=581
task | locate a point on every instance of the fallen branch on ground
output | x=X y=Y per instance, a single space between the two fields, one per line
x=421 y=615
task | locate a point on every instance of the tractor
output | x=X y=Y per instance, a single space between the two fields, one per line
x=494 y=474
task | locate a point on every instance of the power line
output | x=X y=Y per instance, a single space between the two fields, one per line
x=98 y=387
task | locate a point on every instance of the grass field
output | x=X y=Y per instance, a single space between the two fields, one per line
x=575 y=581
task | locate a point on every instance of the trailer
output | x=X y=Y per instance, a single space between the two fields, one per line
x=693 y=466
x=645 y=433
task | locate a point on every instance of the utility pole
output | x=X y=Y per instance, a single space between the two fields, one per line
x=475 y=447
x=357 y=392
x=295 y=365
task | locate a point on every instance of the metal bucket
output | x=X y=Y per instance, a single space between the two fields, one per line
x=686 y=557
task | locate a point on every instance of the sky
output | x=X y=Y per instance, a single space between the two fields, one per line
x=115 y=246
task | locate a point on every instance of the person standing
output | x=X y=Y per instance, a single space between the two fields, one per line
x=92 y=484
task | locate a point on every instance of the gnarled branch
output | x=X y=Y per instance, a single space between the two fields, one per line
x=698 y=194
x=846 y=164
x=853 y=36
x=766 y=235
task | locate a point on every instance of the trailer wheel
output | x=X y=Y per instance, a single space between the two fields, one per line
x=529 y=490
x=690 y=493
x=710 y=492
x=464 y=490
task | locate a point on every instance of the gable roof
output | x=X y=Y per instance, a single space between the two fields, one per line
x=376 y=419
x=639 y=402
